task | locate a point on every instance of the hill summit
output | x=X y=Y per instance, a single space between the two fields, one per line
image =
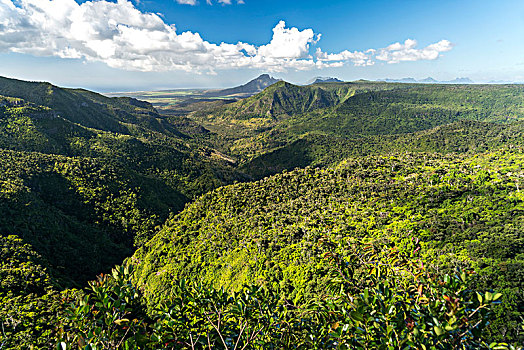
x=251 y=88
x=318 y=80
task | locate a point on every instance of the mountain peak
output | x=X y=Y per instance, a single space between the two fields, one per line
x=318 y=80
x=250 y=88
x=264 y=79
x=428 y=80
x=462 y=80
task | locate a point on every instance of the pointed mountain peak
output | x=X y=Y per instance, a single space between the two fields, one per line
x=264 y=79
x=251 y=88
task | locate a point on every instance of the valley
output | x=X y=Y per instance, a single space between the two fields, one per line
x=275 y=206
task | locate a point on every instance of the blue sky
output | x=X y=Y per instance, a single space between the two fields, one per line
x=122 y=45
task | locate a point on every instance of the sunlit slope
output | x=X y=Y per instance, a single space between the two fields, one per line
x=320 y=150
x=89 y=109
x=284 y=112
x=468 y=211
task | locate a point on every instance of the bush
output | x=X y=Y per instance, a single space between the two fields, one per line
x=377 y=298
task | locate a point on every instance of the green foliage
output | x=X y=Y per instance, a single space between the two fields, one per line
x=283 y=113
x=29 y=305
x=29 y=321
x=109 y=316
x=22 y=270
x=384 y=299
x=200 y=317
x=466 y=210
x=393 y=303
x=81 y=215
x=86 y=179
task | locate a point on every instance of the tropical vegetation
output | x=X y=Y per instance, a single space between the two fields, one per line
x=360 y=215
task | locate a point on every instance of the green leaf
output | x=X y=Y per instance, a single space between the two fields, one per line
x=479 y=297
x=497 y=296
x=463 y=276
x=357 y=316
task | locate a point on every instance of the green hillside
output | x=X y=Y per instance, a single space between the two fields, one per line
x=319 y=150
x=277 y=101
x=82 y=215
x=418 y=107
x=89 y=109
x=284 y=113
x=28 y=304
x=398 y=186
x=92 y=191
x=467 y=211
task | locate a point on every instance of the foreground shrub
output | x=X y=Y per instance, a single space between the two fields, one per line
x=377 y=297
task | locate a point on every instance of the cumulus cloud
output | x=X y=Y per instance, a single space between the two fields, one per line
x=123 y=37
x=407 y=51
x=288 y=43
x=358 y=58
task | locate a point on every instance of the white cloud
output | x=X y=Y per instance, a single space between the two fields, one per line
x=358 y=58
x=407 y=51
x=288 y=43
x=123 y=37
x=187 y=2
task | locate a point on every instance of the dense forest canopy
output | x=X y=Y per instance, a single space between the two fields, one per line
x=285 y=217
x=466 y=211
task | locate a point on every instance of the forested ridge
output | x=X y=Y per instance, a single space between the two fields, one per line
x=336 y=215
x=313 y=149
x=467 y=212
x=283 y=113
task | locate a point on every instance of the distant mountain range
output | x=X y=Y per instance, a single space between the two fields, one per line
x=429 y=80
x=504 y=82
x=318 y=80
x=251 y=88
